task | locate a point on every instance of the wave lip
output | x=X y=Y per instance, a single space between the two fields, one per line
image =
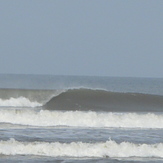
x=79 y=149
x=81 y=119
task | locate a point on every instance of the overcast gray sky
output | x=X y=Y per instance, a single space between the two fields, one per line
x=82 y=37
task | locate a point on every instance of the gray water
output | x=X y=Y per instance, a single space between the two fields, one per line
x=30 y=132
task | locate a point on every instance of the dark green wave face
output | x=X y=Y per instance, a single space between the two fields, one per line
x=100 y=100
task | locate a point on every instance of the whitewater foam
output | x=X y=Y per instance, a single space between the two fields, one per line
x=19 y=102
x=81 y=119
x=79 y=149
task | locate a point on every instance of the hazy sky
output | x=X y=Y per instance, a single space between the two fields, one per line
x=82 y=37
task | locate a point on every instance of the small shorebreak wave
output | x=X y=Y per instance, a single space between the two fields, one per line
x=93 y=119
x=106 y=149
x=82 y=99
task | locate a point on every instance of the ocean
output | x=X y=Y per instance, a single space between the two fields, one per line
x=47 y=118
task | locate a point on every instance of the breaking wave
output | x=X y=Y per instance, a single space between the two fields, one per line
x=19 y=102
x=79 y=149
x=26 y=98
x=81 y=119
x=82 y=99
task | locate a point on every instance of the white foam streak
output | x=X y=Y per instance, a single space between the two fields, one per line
x=78 y=149
x=18 y=102
x=81 y=119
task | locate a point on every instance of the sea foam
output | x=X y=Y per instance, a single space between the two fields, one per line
x=19 y=102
